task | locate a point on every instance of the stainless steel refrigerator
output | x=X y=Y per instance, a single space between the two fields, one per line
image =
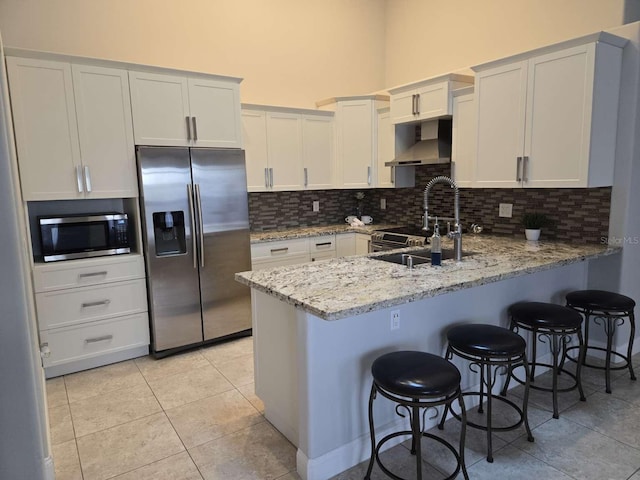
x=196 y=232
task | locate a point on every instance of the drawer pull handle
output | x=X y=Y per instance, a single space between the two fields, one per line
x=280 y=250
x=92 y=274
x=98 y=339
x=96 y=304
x=324 y=244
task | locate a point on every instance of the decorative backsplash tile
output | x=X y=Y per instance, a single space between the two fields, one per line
x=579 y=215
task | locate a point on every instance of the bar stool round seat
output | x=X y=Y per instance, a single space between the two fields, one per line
x=552 y=324
x=414 y=381
x=608 y=309
x=489 y=348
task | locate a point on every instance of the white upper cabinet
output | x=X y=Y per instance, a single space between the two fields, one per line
x=317 y=154
x=356 y=139
x=463 y=137
x=284 y=146
x=426 y=99
x=287 y=148
x=73 y=130
x=179 y=110
x=548 y=118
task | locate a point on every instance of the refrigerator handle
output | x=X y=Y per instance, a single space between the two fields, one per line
x=192 y=216
x=200 y=226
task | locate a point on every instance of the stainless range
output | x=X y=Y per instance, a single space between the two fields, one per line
x=398 y=237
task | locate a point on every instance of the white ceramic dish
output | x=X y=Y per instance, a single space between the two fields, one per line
x=366 y=219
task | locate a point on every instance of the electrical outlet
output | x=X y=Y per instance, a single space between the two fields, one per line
x=505 y=210
x=316 y=206
x=383 y=204
x=395 y=319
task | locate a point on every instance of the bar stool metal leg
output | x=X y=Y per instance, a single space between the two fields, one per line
x=632 y=323
x=372 y=432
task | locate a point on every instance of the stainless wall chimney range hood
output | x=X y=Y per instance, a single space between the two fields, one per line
x=434 y=146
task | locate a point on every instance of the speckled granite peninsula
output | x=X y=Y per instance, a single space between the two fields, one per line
x=348 y=286
x=313 y=375
x=273 y=235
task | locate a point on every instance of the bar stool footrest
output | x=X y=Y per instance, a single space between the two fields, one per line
x=410 y=434
x=549 y=389
x=484 y=427
x=601 y=367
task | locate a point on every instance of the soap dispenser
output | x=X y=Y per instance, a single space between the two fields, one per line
x=436 y=246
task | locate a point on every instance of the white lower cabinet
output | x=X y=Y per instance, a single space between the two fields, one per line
x=91 y=312
x=310 y=249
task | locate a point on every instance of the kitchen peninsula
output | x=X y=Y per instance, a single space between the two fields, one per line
x=318 y=327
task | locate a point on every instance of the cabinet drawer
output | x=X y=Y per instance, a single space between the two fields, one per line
x=325 y=243
x=79 y=273
x=279 y=249
x=316 y=257
x=87 y=304
x=279 y=262
x=70 y=344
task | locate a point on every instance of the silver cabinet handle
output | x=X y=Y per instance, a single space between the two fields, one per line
x=417 y=104
x=369 y=175
x=413 y=104
x=195 y=129
x=279 y=250
x=323 y=244
x=79 y=179
x=392 y=171
x=87 y=178
x=103 y=338
x=200 y=224
x=188 y=120
x=99 y=303
x=518 y=163
x=271 y=177
x=266 y=177
x=192 y=216
x=525 y=164
x=92 y=274
x=306 y=177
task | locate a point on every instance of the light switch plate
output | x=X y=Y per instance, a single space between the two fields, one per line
x=316 y=206
x=383 y=204
x=505 y=210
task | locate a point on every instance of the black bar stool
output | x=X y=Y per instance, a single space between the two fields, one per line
x=609 y=310
x=552 y=324
x=415 y=380
x=490 y=349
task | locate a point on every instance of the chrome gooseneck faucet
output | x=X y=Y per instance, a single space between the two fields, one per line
x=456 y=234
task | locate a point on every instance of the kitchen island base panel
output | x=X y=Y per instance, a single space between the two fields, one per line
x=313 y=375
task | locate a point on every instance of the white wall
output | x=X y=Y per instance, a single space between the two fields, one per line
x=289 y=52
x=429 y=37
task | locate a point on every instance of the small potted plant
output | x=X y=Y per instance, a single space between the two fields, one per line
x=533 y=222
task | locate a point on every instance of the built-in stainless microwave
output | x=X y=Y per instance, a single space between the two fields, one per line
x=83 y=236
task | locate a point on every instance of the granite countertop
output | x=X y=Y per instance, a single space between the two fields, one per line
x=273 y=235
x=349 y=286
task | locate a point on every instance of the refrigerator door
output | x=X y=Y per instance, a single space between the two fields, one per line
x=220 y=182
x=172 y=269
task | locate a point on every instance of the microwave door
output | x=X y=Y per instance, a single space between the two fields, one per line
x=169 y=235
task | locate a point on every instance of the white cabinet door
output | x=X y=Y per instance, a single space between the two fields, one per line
x=432 y=101
x=160 y=105
x=501 y=98
x=345 y=244
x=254 y=134
x=285 y=151
x=46 y=130
x=317 y=151
x=363 y=242
x=105 y=131
x=463 y=141
x=386 y=150
x=215 y=112
x=356 y=151
x=403 y=107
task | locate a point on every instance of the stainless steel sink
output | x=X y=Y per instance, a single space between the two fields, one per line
x=419 y=256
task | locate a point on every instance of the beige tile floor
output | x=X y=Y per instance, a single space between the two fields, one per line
x=195 y=416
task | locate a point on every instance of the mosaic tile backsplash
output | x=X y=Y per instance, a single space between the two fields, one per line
x=579 y=215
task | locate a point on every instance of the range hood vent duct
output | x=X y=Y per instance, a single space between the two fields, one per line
x=434 y=146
